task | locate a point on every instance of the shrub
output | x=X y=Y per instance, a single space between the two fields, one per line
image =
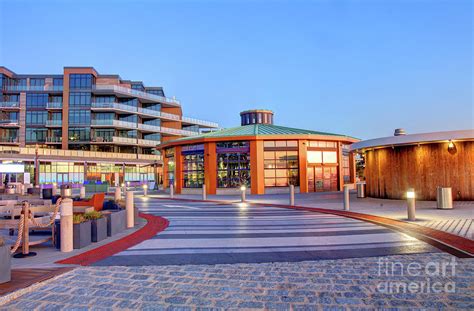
x=93 y=215
x=78 y=218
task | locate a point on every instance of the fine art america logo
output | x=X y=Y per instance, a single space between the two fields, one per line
x=416 y=277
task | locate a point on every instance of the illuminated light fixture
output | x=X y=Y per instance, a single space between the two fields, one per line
x=243 y=188
x=145 y=186
x=452 y=147
x=410 y=194
x=123 y=185
x=128 y=184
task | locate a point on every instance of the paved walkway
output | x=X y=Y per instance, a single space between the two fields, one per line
x=310 y=285
x=426 y=211
x=210 y=233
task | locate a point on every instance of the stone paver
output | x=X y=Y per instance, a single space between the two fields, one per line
x=325 y=284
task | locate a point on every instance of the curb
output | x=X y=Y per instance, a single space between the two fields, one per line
x=447 y=242
x=155 y=224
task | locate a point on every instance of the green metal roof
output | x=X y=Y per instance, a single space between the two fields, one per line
x=256 y=130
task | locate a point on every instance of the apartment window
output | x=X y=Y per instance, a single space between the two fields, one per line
x=79 y=99
x=131 y=118
x=155 y=137
x=7 y=117
x=36 y=82
x=128 y=133
x=79 y=134
x=156 y=92
x=104 y=99
x=11 y=98
x=57 y=99
x=138 y=87
x=130 y=102
x=104 y=116
x=80 y=81
x=82 y=117
x=36 y=134
x=36 y=100
x=57 y=116
x=58 y=82
x=36 y=117
x=155 y=107
x=104 y=134
x=155 y=122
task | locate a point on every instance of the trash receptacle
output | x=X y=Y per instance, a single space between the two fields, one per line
x=47 y=193
x=361 y=189
x=66 y=191
x=444 y=198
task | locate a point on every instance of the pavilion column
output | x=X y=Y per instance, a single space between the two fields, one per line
x=210 y=167
x=303 y=166
x=257 y=171
x=178 y=171
x=165 y=172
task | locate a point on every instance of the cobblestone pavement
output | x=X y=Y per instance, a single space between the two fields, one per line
x=326 y=284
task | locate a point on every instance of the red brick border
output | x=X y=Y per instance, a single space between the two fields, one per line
x=453 y=244
x=154 y=225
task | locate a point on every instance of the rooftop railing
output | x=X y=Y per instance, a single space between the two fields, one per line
x=136 y=93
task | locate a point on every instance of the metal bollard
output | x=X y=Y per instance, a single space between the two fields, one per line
x=82 y=194
x=346 y=197
x=118 y=194
x=204 y=194
x=292 y=195
x=171 y=191
x=130 y=209
x=411 y=206
x=41 y=191
x=242 y=193
x=66 y=212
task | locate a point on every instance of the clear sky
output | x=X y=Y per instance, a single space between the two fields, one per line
x=361 y=68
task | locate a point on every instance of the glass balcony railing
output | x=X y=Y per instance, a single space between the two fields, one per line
x=135 y=93
x=148 y=142
x=124 y=140
x=21 y=88
x=200 y=122
x=54 y=139
x=54 y=122
x=114 y=123
x=9 y=105
x=8 y=139
x=54 y=105
x=114 y=106
x=9 y=123
x=178 y=132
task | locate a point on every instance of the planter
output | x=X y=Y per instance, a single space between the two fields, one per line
x=116 y=222
x=5 y=264
x=99 y=229
x=82 y=234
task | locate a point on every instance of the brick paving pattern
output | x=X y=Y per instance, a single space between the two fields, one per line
x=309 y=285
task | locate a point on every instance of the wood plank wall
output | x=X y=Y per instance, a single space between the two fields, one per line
x=391 y=171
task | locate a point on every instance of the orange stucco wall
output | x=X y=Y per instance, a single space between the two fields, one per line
x=257 y=172
x=210 y=168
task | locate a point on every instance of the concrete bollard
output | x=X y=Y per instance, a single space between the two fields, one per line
x=82 y=194
x=41 y=191
x=242 y=193
x=411 y=205
x=66 y=212
x=118 y=193
x=346 y=197
x=55 y=189
x=145 y=190
x=204 y=194
x=171 y=191
x=292 y=195
x=130 y=209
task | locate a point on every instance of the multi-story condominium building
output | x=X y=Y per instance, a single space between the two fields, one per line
x=82 y=126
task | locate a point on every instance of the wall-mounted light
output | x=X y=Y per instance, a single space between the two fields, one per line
x=452 y=147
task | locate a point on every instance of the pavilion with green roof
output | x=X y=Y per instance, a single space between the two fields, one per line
x=263 y=157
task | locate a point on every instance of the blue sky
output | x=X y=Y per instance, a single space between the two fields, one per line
x=361 y=68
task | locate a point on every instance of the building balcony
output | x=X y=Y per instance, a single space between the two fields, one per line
x=10 y=105
x=9 y=123
x=113 y=106
x=115 y=140
x=144 y=96
x=54 y=140
x=24 y=88
x=178 y=132
x=54 y=123
x=51 y=106
x=148 y=142
x=114 y=123
x=204 y=123
x=9 y=140
x=149 y=128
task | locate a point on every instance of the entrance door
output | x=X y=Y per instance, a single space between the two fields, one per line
x=322 y=178
x=62 y=178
